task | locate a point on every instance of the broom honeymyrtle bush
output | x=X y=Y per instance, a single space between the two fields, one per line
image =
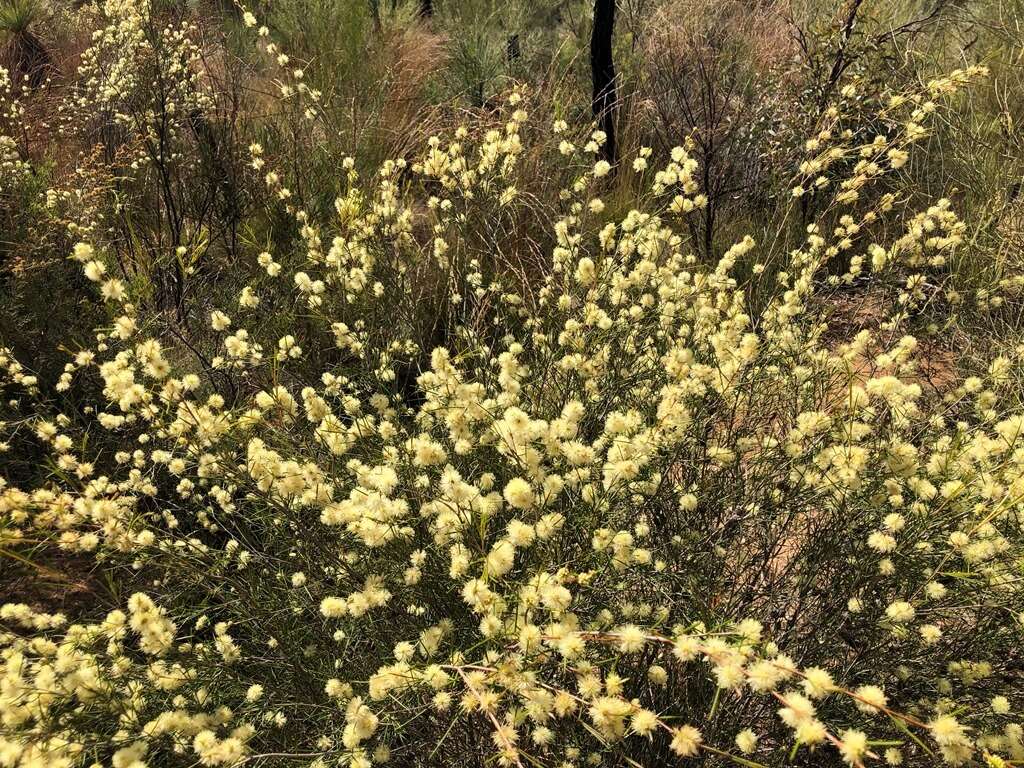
x=619 y=516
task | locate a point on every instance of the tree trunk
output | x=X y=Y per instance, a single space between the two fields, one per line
x=375 y=15
x=513 y=50
x=602 y=69
x=30 y=60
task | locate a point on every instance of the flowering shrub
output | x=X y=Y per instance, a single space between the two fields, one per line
x=617 y=516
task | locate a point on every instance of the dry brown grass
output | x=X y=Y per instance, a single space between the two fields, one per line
x=414 y=55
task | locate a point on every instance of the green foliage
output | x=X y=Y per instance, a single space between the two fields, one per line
x=16 y=16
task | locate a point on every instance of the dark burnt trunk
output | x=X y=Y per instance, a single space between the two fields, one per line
x=602 y=68
x=29 y=59
x=375 y=15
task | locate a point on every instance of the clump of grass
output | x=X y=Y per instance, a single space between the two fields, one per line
x=23 y=49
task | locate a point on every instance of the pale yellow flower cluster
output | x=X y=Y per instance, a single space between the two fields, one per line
x=557 y=530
